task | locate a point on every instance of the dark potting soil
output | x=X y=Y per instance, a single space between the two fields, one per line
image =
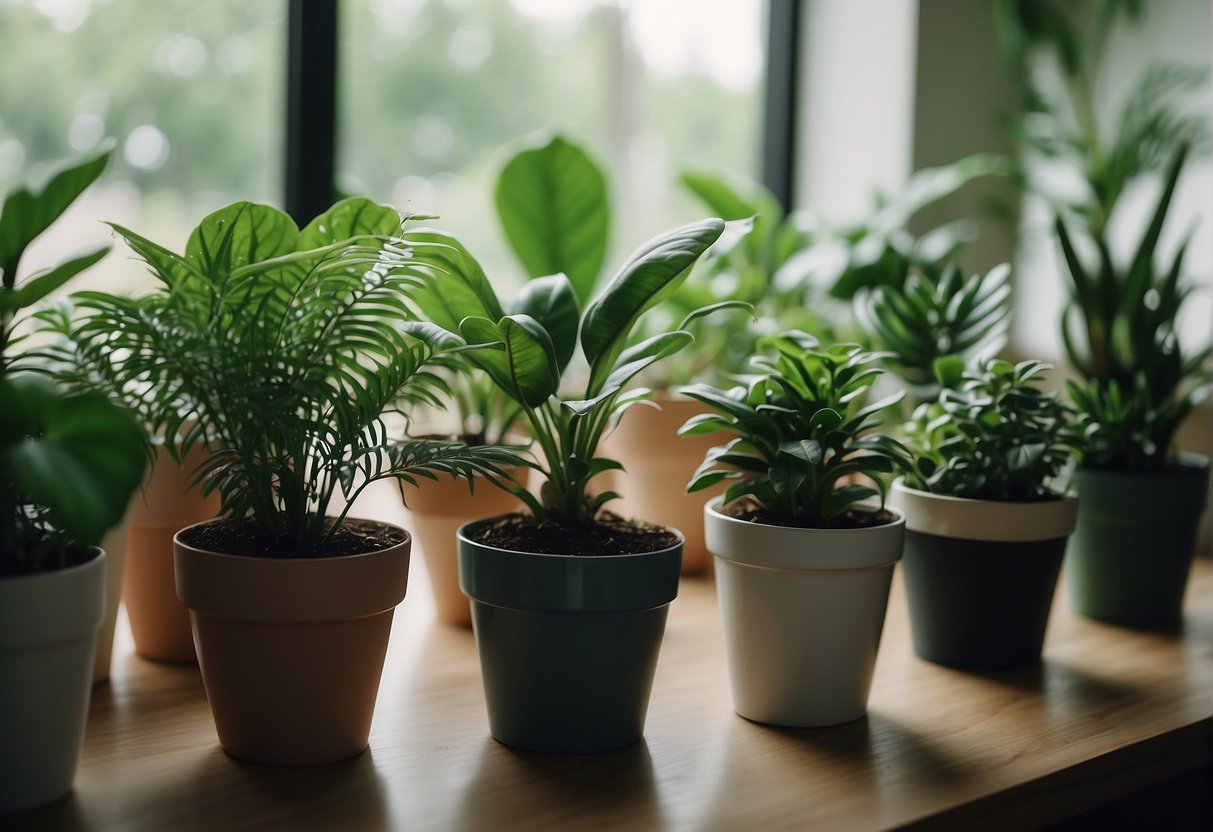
x=854 y=519
x=610 y=535
x=245 y=537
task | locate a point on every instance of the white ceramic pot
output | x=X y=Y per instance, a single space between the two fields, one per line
x=803 y=610
x=48 y=637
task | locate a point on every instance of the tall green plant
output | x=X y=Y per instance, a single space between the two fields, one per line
x=68 y=463
x=527 y=351
x=1119 y=331
x=802 y=432
x=279 y=348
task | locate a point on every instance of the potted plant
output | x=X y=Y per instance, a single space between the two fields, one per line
x=803 y=563
x=568 y=602
x=933 y=317
x=1141 y=502
x=278 y=348
x=68 y=465
x=551 y=200
x=985 y=527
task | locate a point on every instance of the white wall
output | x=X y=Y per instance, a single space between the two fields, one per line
x=856 y=103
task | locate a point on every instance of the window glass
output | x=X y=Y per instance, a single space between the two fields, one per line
x=431 y=91
x=191 y=92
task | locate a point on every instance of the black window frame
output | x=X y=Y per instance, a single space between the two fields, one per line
x=311 y=104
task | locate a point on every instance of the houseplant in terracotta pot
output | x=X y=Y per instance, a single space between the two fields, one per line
x=985 y=527
x=569 y=603
x=68 y=465
x=802 y=568
x=279 y=348
x=1141 y=501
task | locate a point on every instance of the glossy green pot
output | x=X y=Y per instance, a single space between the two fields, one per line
x=568 y=643
x=1130 y=555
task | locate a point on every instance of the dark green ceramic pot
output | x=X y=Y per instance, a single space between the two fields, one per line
x=1130 y=555
x=980 y=576
x=568 y=643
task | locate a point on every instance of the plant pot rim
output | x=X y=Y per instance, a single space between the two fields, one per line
x=965 y=518
x=793 y=548
x=27 y=619
x=230 y=586
x=1188 y=463
x=96 y=551
x=567 y=582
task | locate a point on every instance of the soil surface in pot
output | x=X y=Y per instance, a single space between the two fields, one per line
x=47 y=557
x=610 y=535
x=751 y=512
x=245 y=537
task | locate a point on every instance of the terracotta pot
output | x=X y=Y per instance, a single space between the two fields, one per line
x=48 y=637
x=803 y=611
x=160 y=625
x=114 y=546
x=292 y=649
x=980 y=576
x=438 y=508
x=568 y=644
x=658 y=464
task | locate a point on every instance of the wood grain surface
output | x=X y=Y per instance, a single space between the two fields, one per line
x=1108 y=711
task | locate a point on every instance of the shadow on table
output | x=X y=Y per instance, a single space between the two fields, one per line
x=1052 y=678
x=514 y=789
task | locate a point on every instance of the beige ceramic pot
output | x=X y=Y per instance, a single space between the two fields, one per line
x=292 y=649
x=439 y=507
x=160 y=625
x=658 y=464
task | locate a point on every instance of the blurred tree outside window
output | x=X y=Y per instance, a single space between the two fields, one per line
x=191 y=92
x=433 y=95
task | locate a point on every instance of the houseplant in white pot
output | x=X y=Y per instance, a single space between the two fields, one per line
x=68 y=465
x=803 y=566
x=985 y=528
x=279 y=348
x=569 y=603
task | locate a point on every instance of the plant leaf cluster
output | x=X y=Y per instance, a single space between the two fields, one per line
x=929 y=319
x=1119 y=331
x=993 y=434
x=68 y=462
x=527 y=349
x=278 y=348
x=803 y=432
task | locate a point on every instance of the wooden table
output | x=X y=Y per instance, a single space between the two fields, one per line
x=1109 y=711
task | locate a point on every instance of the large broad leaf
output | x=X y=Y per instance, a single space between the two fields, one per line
x=240 y=234
x=458 y=287
x=518 y=355
x=79 y=456
x=353 y=217
x=553 y=205
x=36 y=288
x=552 y=302
x=653 y=272
x=26 y=215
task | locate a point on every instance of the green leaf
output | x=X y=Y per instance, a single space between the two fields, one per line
x=554 y=209
x=949 y=370
x=26 y=214
x=552 y=302
x=647 y=278
x=36 y=288
x=81 y=457
x=458 y=287
x=353 y=217
x=525 y=363
x=840 y=500
x=238 y=235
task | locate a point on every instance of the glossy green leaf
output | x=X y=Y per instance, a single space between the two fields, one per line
x=649 y=276
x=552 y=302
x=554 y=208
x=522 y=359
x=36 y=288
x=458 y=287
x=238 y=235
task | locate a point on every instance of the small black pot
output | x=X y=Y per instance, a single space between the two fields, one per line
x=568 y=644
x=980 y=576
